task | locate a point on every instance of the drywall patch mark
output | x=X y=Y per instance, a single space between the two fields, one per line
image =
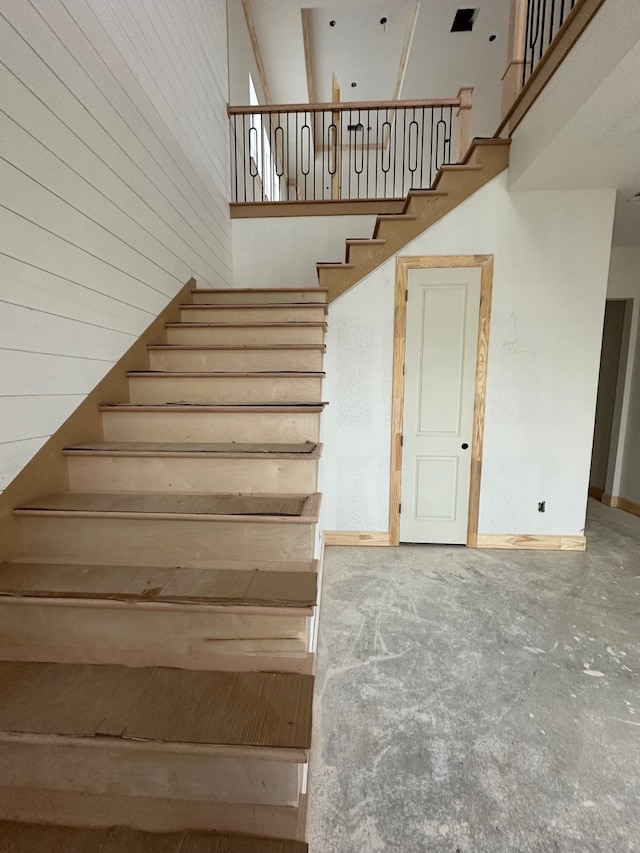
x=512 y=345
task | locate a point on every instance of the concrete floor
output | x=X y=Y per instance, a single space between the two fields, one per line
x=475 y=701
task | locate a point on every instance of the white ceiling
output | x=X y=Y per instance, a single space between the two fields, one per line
x=584 y=130
x=358 y=49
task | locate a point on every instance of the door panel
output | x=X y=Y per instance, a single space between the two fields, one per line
x=442 y=332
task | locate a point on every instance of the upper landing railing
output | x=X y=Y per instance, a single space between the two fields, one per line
x=344 y=151
x=541 y=34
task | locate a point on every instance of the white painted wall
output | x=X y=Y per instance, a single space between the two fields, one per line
x=551 y=262
x=283 y=251
x=624 y=283
x=114 y=174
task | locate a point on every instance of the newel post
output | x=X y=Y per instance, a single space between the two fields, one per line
x=464 y=120
x=512 y=77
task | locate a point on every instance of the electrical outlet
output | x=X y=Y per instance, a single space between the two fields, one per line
x=542 y=506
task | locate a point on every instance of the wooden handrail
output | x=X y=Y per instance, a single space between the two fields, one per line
x=344 y=106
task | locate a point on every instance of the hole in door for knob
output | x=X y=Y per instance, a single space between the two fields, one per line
x=465 y=445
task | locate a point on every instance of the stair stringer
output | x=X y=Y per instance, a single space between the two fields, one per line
x=485 y=159
x=47 y=471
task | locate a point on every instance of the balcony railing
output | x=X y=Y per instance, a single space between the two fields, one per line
x=339 y=151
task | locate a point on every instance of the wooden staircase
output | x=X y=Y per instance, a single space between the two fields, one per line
x=485 y=159
x=157 y=632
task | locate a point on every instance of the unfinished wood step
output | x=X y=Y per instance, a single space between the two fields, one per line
x=127 y=528
x=198 y=423
x=206 y=619
x=242 y=357
x=236 y=388
x=245 y=333
x=209 y=737
x=183 y=467
x=276 y=312
x=388 y=224
x=253 y=295
x=364 y=250
x=46 y=838
x=152 y=814
x=453 y=185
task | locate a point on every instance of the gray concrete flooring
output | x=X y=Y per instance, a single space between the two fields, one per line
x=475 y=701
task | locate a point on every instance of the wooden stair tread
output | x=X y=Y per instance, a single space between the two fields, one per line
x=225 y=306
x=150 y=584
x=329 y=265
x=178 y=706
x=307 y=450
x=259 y=290
x=292 y=508
x=239 y=347
x=228 y=374
x=303 y=324
x=46 y=838
x=293 y=408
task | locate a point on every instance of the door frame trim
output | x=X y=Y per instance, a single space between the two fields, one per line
x=403 y=265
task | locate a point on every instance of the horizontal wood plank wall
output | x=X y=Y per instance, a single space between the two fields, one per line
x=47 y=472
x=114 y=173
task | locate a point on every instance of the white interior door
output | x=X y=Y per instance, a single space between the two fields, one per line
x=443 y=308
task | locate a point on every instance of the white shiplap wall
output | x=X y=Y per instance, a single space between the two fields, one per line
x=114 y=176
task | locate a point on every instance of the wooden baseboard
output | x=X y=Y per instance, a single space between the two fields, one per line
x=356 y=537
x=609 y=500
x=531 y=542
x=597 y=493
x=623 y=504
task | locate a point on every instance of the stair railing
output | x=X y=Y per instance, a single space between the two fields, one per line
x=535 y=26
x=338 y=151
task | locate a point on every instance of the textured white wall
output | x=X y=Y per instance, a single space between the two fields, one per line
x=624 y=283
x=283 y=251
x=115 y=173
x=551 y=262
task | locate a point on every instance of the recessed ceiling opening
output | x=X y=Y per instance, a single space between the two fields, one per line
x=464 y=20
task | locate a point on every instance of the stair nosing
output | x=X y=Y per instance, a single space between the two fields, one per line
x=227 y=374
x=239 y=347
x=201 y=408
x=283 y=324
x=175 y=605
x=288 y=754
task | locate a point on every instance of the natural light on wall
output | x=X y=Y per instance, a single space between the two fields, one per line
x=260 y=150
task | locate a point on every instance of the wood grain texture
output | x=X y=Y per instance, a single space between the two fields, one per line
x=45 y=838
x=259 y=709
x=403 y=265
x=356 y=537
x=531 y=542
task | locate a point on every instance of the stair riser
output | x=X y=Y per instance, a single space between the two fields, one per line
x=152 y=813
x=372 y=255
x=239 y=335
x=256 y=297
x=251 y=314
x=134 y=542
x=211 y=426
x=133 y=636
x=235 y=389
x=147 y=769
x=179 y=474
x=239 y=360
